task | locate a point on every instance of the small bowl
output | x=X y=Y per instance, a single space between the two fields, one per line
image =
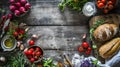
x=39 y=57
x=8 y=43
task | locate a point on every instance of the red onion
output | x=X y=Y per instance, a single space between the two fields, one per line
x=22 y=9
x=23 y=2
x=9 y=16
x=12 y=1
x=12 y=8
x=18 y=4
x=4 y=17
x=17 y=12
x=27 y=6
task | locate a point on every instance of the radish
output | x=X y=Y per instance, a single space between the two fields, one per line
x=22 y=9
x=23 y=2
x=27 y=6
x=12 y=8
x=12 y=1
x=18 y=4
x=17 y=12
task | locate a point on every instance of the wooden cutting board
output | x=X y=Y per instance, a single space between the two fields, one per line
x=110 y=18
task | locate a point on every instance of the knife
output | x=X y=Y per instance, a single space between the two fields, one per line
x=5 y=25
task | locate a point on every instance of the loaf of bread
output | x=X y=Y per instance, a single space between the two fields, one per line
x=110 y=48
x=105 y=32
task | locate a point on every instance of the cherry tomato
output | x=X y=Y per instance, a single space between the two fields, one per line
x=38 y=53
x=29 y=52
x=105 y=11
x=98 y=2
x=31 y=42
x=85 y=45
x=110 y=3
x=26 y=52
x=37 y=49
x=36 y=57
x=110 y=7
x=15 y=34
x=89 y=49
x=22 y=32
x=31 y=49
x=80 y=49
x=32 y=60
x=100 y=5
x=103 y=1
x=88 y=52
x=33 y=53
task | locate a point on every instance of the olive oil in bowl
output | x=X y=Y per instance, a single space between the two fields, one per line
x=9 y=43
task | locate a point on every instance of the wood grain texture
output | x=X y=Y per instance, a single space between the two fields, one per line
x=58 y=37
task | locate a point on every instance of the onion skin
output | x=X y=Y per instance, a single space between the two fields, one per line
x=12 y=8
x=17 y=12
x=27 y=6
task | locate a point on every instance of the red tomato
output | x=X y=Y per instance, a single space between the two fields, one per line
x=89 y=49
x=100 y=5
x=31 y=42
x=80 y=49
x=36 y=57
x=88 y=52
x=37 y=49
x=32 y=60
x=103 y=1
x=22 y=32
x=33 y=53
x=15 y=34
x=110 y=7
x=105 y=11
x=29 y=52
x=110 y=3
x=32 y=49
x=38 y=53
x=29 y=56
x=26 y=52
x=85 y=45
x=98 y=2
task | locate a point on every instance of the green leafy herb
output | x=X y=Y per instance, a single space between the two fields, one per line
x=48 y=63
x=74 y=4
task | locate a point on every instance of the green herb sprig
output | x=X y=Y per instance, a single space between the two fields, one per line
x=74 y=4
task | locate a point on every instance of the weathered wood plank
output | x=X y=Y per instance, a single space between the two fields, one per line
x=59 y=37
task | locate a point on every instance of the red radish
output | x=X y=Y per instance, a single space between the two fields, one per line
x=85 y=44
x=9 y=16
x=17 y=12
x=32 y=60
x=18 y=4
x=80 y=49
x=23 y=2
x=15 y=34
x=12 y=7
x=4 y=17
x=22 y=10
x=31 y=42
x=12 y=1
x=27 y=6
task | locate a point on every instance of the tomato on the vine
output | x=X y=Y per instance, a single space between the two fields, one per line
x=85 y=45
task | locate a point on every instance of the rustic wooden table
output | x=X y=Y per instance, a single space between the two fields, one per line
x=60 y=32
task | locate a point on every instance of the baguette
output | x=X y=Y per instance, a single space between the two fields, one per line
x=110 y=48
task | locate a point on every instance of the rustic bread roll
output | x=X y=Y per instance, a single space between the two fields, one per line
x=110 y=48
x=105 y=32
